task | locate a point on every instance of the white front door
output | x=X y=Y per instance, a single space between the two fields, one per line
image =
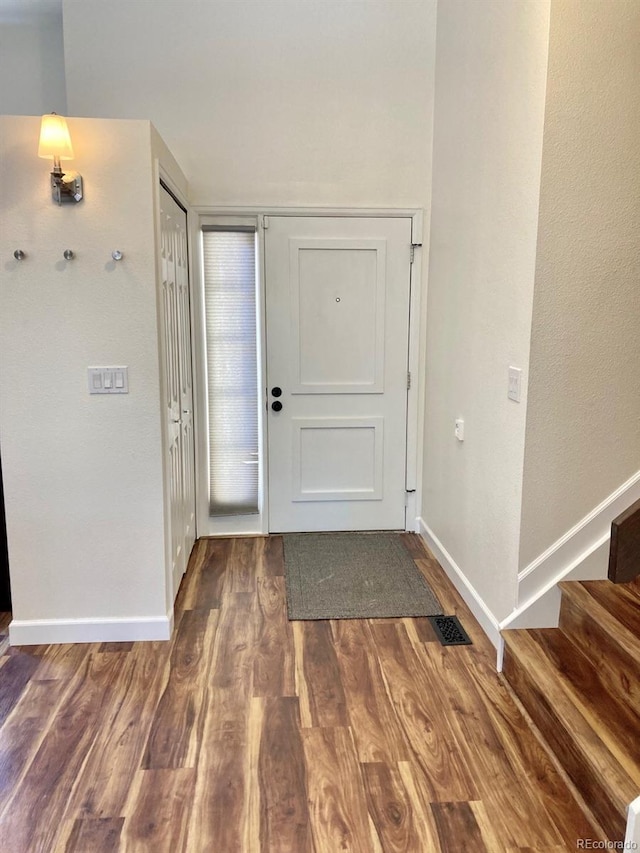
x=178 y=378
x=337 y=318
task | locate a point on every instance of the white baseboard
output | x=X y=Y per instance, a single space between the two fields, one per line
x=474 y=602
x=52 y=631
x=632 y=838
x=542 y=611
x=542 y=608
x=583 y=548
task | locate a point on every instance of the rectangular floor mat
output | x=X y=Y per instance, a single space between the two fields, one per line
x=353 y=576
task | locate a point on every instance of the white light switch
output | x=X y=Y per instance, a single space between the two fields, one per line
x=108 y=380
x=459 y=430
x=515 y=384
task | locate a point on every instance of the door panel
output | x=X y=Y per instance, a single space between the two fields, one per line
x=337 y=293
x=179 y=385
x=337 y=314
x=337 y=459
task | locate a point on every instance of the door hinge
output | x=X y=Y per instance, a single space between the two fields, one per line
x=414 y=246
x=408 y=379
x=265 y=222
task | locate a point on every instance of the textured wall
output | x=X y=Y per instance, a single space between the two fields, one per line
x=285 y=102
x=489 y=111
x=32 y=80
x=583 y=423
x=82 y=474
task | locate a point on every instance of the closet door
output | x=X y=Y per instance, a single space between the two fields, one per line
x=179 y=382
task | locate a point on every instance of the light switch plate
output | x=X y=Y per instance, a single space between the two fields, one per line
x=515 y=384
x=108 y=380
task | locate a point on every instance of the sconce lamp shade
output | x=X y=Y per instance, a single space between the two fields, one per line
x=55 y=140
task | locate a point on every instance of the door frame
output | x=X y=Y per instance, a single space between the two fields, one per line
x=258 y=524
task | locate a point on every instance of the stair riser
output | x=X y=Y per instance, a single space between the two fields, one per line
x=618 y=667
x=591 y=785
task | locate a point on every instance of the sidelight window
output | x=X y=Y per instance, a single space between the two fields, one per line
x=229 y=264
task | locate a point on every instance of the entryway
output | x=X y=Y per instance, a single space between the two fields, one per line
x=332 y=318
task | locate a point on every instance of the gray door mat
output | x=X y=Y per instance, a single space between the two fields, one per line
x=353 y=576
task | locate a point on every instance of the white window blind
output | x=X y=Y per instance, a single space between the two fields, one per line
x=229 y=256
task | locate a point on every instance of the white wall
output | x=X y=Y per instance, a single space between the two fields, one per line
x=282 y=102
x=489 y=111
x=583 y=423
x=82 y=474
x=32 y=80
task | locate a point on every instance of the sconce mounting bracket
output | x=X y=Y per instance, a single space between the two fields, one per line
x=66 y=187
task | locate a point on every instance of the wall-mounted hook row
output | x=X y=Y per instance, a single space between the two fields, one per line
x=68 y=255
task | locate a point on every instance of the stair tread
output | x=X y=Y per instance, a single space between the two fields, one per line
x=616 y=613
x=612 y=650
x=618 y=723
x=598 y=730
x=620 y=599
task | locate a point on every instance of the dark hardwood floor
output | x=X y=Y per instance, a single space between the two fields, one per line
x=250 y=733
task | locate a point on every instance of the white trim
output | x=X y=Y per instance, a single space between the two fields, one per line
x=632 y=837
x=542 y=609
x=110 y=630
x=576 y=545
x=232 y=525
x=265 y=210
x=472 y=599
x=199 y=350
x=168 y=180
x=416 y=408
x=415 y=402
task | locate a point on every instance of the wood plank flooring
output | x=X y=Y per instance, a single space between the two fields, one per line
x=250 y=734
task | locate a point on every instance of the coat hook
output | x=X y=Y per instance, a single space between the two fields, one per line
x=117 y=255
x=68 y=255
x=19 y=255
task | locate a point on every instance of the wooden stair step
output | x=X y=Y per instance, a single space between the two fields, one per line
x=591 y=733
x=605 y=710
x=622 y=600
x=609 y=644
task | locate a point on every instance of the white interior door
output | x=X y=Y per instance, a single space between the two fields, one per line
x=179 y=382
x=337 y=316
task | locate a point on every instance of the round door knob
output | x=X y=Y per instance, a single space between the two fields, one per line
x=277 y=406
x=275 y=391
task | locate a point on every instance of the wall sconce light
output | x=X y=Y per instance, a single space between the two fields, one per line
x=55 y=141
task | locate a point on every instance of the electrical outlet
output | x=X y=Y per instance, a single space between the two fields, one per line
x=459 y=430
x=515 y=384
